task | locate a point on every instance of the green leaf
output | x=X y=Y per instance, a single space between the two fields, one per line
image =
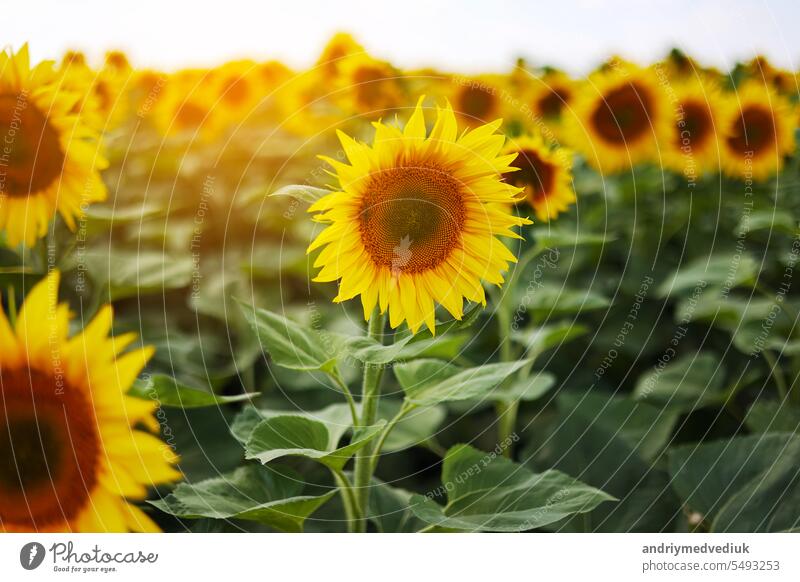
x=121 y=274
x=773 y=220
x=390 y=509
x=728 y=271
x=412 y=375
x=644 y=428
x=527 y=389
x=479 y=383
x=745 y=484
x=607 y=442
x=167 y=391
x=772 y=416
x=302 y=192
x=691 y=382
x=416 y=426
x=538 y=340
x=336 y=418
x=287 y=435
x=551 y=301
x=266 y=495
x=487 y=492
x=549 y=238
x=290 y=344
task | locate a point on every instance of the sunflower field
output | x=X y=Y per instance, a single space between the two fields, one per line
x=360 y=298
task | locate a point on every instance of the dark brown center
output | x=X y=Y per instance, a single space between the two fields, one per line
x=623 y=115
x=412 y=217
x=698 y=127
x=534 y=173
x=31 y=158
x=753 y=130
x=49 y=450
x=476 y=103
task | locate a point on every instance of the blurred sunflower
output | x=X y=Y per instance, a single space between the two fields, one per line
x=759 y=129
x=550 y=94
x=416 y=218
x=619 y=115
x=477 y=100
x=693 y=145
x=340 y=46
x=70 y=457
x=238 y=89
x=187 y=107
x=370 y=87
x=52 y=157
x=545 y=174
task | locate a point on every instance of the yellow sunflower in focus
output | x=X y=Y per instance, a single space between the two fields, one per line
x=759 y=129
x=619 y=116
x=50 y=158
x=370 y=87
x=70 y=457
x=693 y=146
x=545 y=174
x=417 y=217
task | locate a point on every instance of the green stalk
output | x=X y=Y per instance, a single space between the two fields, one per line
x=348 y=500
x=370 y=395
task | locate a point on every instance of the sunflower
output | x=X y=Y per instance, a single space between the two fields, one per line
x=237 y=87
x=187 y=107
x=693 y=145
x=759 y=126
x=370 y=87
x=416 y=217
x=50 y=158
x=477 y=100
x=550 y=94
x=618 y=117
x=340 y=46
x=70 y=455
x=544 y=173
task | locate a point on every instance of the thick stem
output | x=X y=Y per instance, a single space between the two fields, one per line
x=370 y=395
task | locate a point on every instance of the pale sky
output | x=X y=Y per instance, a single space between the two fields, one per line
x=469 y=35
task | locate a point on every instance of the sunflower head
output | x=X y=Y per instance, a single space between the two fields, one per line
x=74 y=448
x=370 y=87
x=477 y=100
x=545 y=175
x=693 y=145
x=416 y=218
x=51 y=158
x=619 y=116
x=759 y=131
x=340 y=46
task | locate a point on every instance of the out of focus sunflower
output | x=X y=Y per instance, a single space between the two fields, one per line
x=339 y=47
x=370 y=87
x=761 y=69
x=306 y=104
x=417 y=217
x=693 y=146
x=545 y=174
x=52 y=158
x=187 y=107
x=476 y=100
x=237 y=87
x=759 y=129
x=72 y=457
x=619 y=116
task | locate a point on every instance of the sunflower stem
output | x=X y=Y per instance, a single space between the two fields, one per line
x=507 y=411
x=348 y=499
x=370 y=395
x=12 y=306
